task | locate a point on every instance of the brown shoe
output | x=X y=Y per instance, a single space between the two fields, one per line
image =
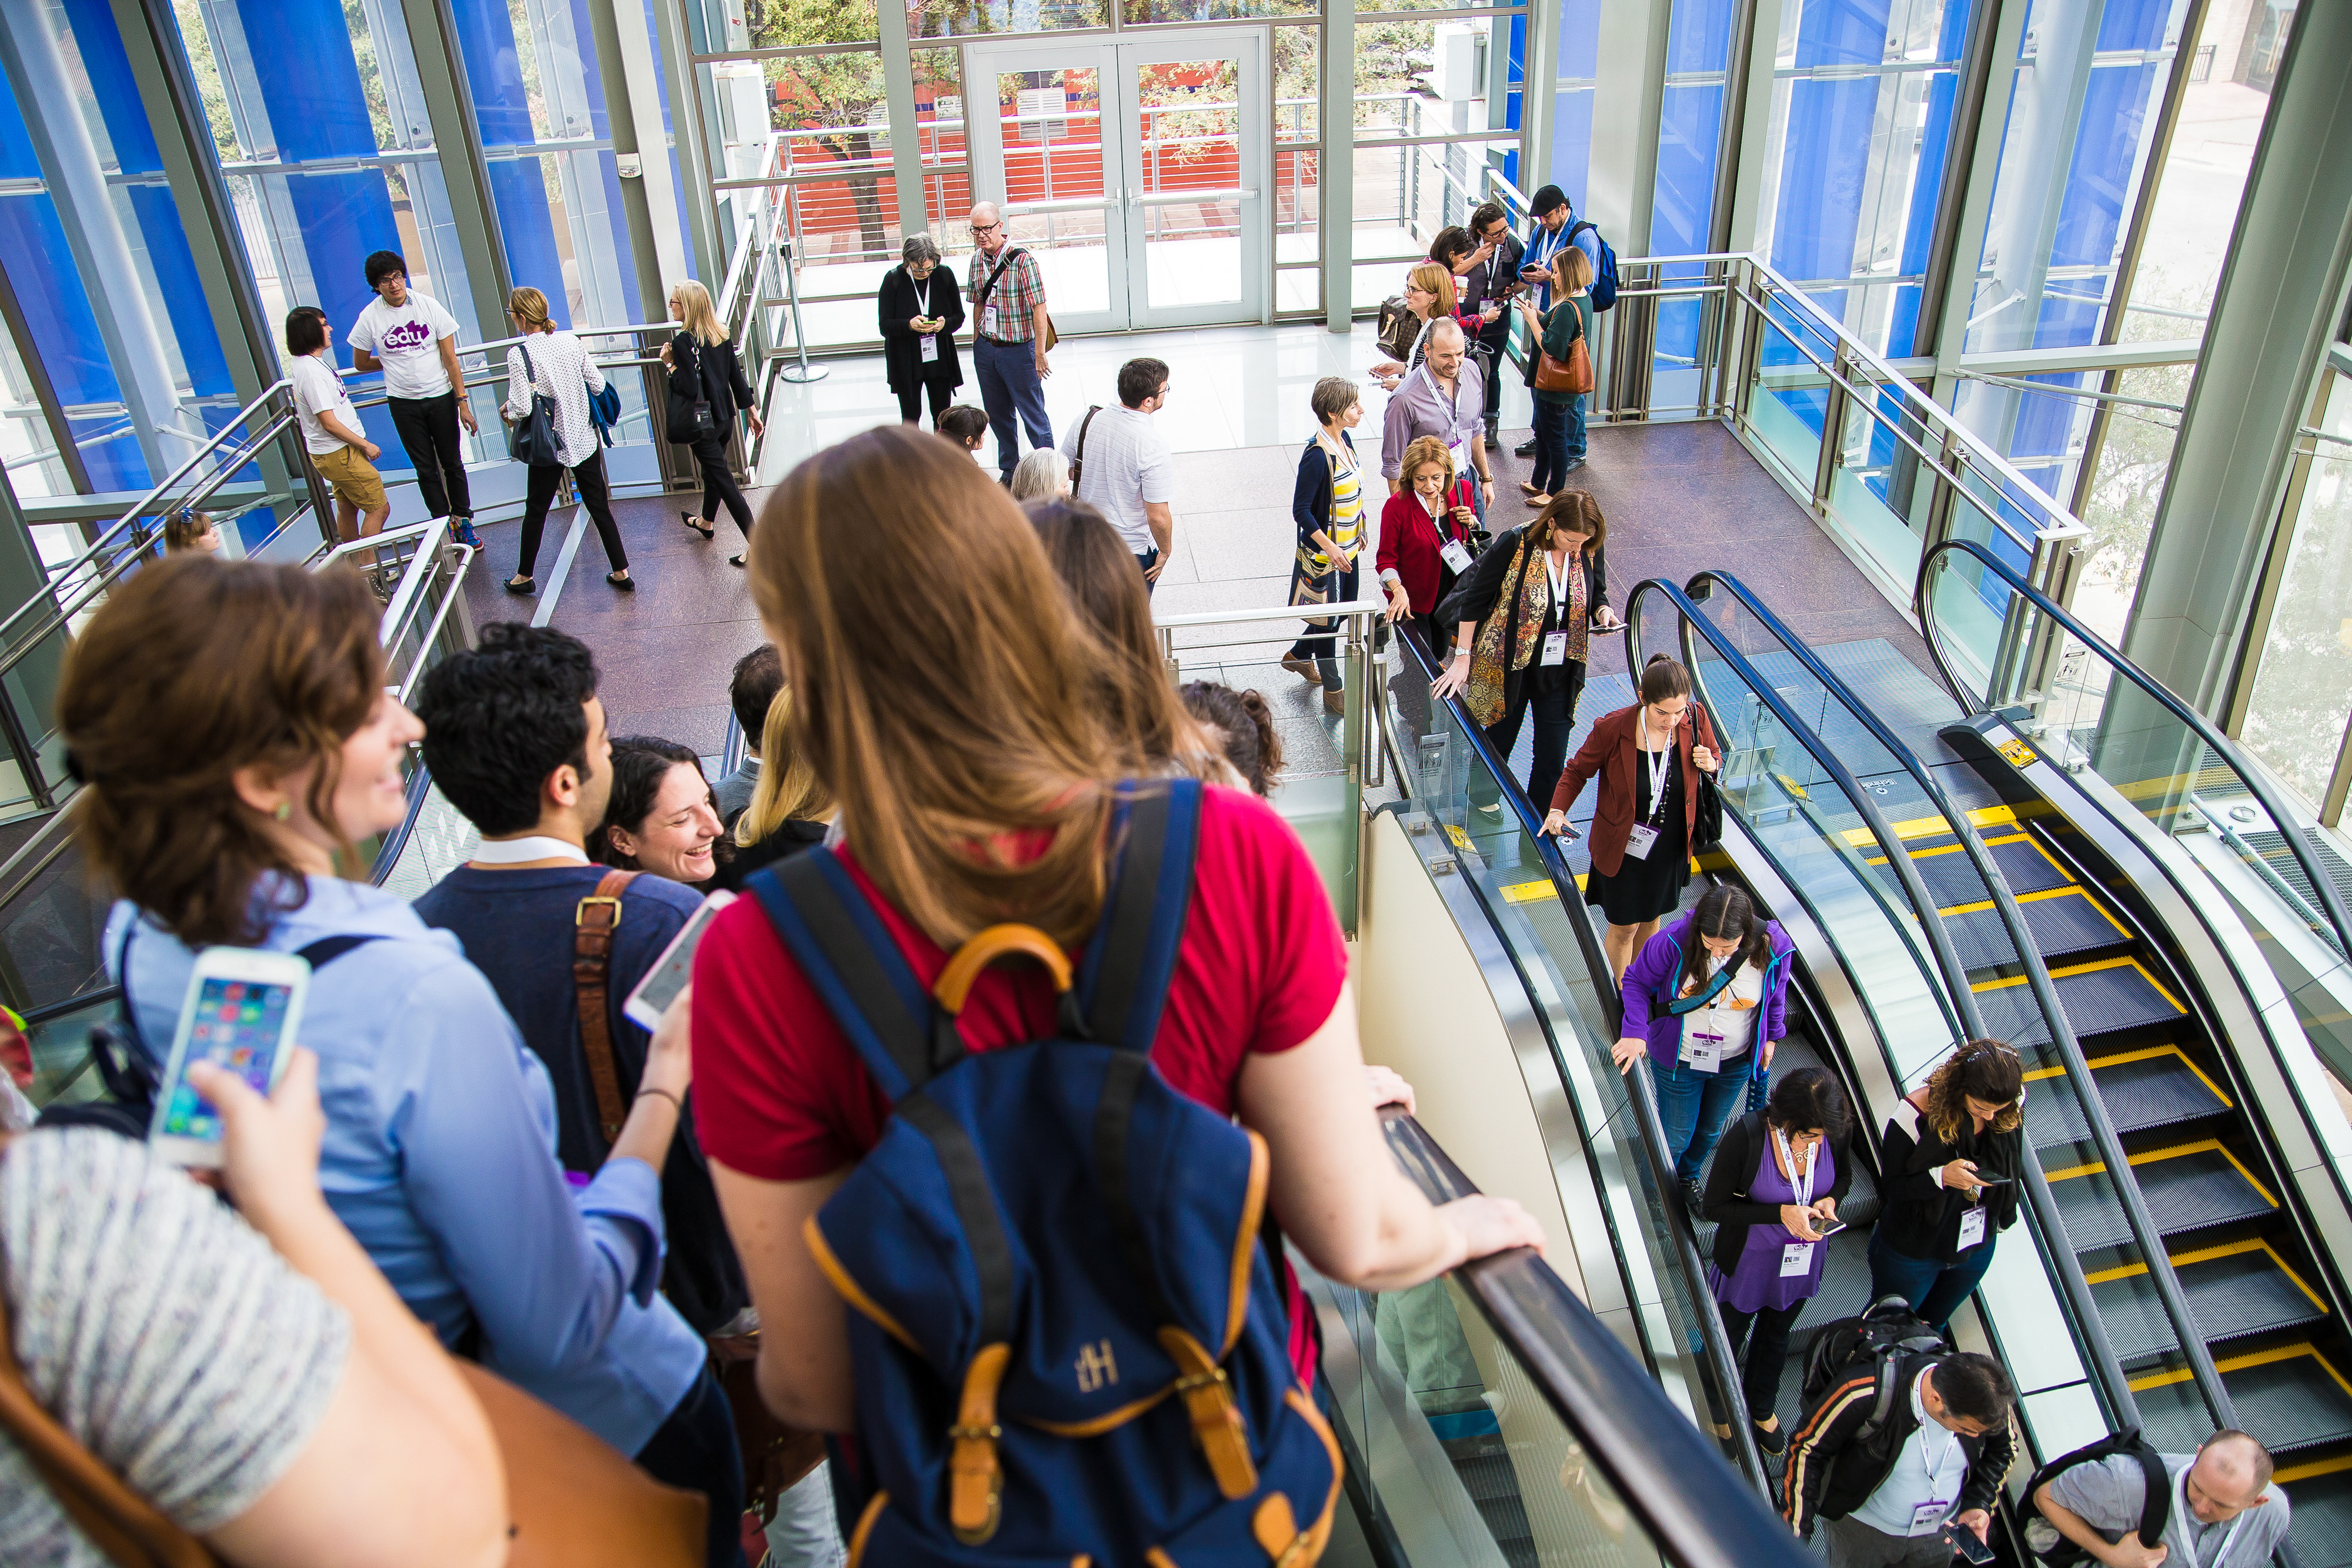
x=1335 y=702
x=1537 y=499
x=1528 y=489
x=1304 y=669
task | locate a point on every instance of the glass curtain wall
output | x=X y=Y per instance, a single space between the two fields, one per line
x=1579 y=77
x=1681 y=209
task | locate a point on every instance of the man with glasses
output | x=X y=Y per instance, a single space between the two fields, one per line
x=1492 y=277
x=1010 y=330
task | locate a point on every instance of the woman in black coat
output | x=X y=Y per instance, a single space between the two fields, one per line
x=703 y=365
x=920 y=293
x=1951 y=1156
x=1506 y=615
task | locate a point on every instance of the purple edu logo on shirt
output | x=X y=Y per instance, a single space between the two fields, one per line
x=405 y=337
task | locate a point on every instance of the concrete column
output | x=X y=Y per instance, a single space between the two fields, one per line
x=2281 y=299
x=1622 y=182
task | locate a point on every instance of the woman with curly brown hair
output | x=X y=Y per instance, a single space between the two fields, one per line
x=1951 y=1154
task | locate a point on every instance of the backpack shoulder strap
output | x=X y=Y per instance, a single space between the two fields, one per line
x=594 y=921
x=1077 y=464
x=327 y=949
x=1124 y=983
x=848 y=955
x=132 y=1531
x=2156 y=1503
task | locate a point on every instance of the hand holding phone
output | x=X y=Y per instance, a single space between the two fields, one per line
x=1965 y=1543
x=653 y=996
x=242 y=1009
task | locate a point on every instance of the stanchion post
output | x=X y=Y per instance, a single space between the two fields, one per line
x=803 y=370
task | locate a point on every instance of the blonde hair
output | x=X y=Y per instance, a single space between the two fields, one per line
x=789 y=788
x=697 y=314
x=1431 y=278
x=1423 y=450
x=955 y=712
x=1574 y=267
x=528 y=306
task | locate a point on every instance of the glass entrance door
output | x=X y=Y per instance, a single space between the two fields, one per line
x=1135 y=172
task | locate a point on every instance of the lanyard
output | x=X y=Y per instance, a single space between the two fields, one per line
x=1441 y=517
x=1449 y=401
x=923 y=300
x=1558 y=581
x=1802 y=1186
x=1935 y=1463
x=1656 y=761
x=2189 y=1525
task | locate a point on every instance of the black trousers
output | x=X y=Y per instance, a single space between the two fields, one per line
x=718 y=486
x=910 y=401
x=1494 y=345
x=588 y=479
x=695 y=1449
x=1765 y=1355
x=429 y=434
x=1555 y=716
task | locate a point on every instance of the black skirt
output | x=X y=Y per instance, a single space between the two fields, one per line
x=1651 y=889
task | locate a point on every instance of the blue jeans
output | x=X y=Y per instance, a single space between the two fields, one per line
x=1009 y=384
x=1552 y=446
x=1694 y=1107
x=1576 y=426
x=1934 y=1291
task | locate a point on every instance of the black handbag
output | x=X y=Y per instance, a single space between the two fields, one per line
x=532 y=439
x=689 y=412
x=1707 y=832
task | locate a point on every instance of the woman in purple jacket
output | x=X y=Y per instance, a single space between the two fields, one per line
x=1706 y=999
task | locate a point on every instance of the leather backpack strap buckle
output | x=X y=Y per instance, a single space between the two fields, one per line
x=597 y=916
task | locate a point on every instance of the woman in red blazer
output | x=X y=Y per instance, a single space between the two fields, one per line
x=1431 y=511
x=1642 y=822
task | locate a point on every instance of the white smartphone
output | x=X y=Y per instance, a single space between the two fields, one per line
x=675 y=967
x=241 y=1012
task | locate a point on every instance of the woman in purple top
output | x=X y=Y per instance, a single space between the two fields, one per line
x=1776 y=1186
x=1706 y=1000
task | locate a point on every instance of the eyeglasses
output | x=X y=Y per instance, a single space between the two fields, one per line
x=986 y=228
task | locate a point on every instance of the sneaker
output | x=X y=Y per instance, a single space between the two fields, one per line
x=1526 y=448
x=465 y=534
x=1573 y=464
x=1773 y=1440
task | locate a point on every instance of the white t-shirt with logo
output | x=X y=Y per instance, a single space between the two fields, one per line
x=317 y=391
x=407 y=338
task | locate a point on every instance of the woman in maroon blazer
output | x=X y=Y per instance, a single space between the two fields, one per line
x=1642 y=822
x=1430 y=512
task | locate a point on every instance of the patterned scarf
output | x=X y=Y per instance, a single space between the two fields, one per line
x=1528 y=591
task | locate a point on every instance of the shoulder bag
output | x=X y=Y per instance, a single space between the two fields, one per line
x=1572 y=375
x=532 y=439
x=575 y=1502
x=688 y=413
x=1078 y=463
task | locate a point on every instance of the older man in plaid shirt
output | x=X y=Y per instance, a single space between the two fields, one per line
x=1008 y=348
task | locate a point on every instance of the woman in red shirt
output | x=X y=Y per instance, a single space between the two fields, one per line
x=1427 y=534
x=951 y=712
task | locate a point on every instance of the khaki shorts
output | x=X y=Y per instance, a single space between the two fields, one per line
x=355 y=480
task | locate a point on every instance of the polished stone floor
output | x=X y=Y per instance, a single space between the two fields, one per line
x=1677 y=496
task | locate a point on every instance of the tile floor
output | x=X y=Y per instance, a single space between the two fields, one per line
x=1677 y=496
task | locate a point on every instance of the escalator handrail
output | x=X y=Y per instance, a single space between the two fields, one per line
x=387 y=854
x=2145 y=1234
x=1723 y=1363
x=2331 y=899
x=2090 y=1330
x=1660 y=1465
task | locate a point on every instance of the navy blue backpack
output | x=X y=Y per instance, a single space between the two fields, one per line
x=1068 y=1343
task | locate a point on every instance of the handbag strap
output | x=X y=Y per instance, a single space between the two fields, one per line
x=529 y=370
x=592 y=924
x=980 y=299
x=132 y=1531
x=1078 y=463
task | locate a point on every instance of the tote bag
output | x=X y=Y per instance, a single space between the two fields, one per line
x=532 y=439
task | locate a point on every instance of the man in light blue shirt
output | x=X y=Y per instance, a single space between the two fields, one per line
x=2222 y=1511
x=1555 y=222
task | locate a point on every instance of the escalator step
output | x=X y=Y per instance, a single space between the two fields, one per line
x=2140 y=1089
x=2101 y=997
x=2322 y=1531
x=2232 y=1292
x=2064 y=924
x=2186 y=1189
x=2289 y=1401
x=1952 y=880
x=1484 y=1465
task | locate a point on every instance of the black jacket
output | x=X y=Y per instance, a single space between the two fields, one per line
x=791 y=837
x=1922 y=1218
x=1833 y=1469
x=1736 y=1160
x=723 y=377
x=896 y=302
x=1475 y=289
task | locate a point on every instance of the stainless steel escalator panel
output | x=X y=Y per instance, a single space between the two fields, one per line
x=2233 y=1291
x=2105 y=996
x=2187 y=1189
x=2064 y=924
x=2141 y=1089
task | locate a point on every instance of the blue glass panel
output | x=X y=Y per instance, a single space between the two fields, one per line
x=1699 y=36
x=1842 y=32
x=1823 y=174
x=1689 y=141
x=1579 y=39
x=2099 y=178
x=2133 y=25
x=1571 y=146
x=518 y=184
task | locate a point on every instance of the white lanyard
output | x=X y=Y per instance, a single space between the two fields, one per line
x=1802 y=1186
x=1656 y=761
x=1558 y=581
x=1450 y=402
x=923 y=300
x=2189 y=1525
